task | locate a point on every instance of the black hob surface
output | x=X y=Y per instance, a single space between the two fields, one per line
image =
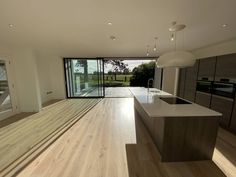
x=174 y=100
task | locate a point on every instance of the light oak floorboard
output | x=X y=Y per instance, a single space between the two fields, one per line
x=15 y=118
x=109 y=142
x=225 y=152
x=22 y=136
x=50 y=102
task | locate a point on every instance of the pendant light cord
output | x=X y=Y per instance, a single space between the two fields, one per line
x=175 y=39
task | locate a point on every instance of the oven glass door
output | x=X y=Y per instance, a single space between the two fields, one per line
x=204 y=86
x=224 y=89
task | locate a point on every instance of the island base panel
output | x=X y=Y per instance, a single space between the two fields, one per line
x=181 y=138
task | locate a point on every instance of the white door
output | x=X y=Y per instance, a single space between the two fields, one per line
x=8 y=102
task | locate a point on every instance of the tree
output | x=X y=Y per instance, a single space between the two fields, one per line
x=83 y=63
x=142 y=73
x=126 y=71
x=118 y=66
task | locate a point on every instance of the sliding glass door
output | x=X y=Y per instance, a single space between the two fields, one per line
x=84 y=77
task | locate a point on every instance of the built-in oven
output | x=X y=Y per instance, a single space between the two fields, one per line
x=223 y=89
x=204 y=86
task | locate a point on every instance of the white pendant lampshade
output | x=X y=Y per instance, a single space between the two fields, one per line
x=176 y=59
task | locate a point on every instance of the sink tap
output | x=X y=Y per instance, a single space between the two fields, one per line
x=148 y=83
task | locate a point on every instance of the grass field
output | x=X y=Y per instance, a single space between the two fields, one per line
x=109 y=80
x=121 y=80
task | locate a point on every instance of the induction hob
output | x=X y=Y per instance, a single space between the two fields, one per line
x=174 y=100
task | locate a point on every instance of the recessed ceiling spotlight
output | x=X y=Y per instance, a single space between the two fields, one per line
x=11 y=25
x=224 y=25
x=113 y=38
x=109 y=23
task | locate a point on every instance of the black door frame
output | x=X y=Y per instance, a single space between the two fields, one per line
x=66 y=81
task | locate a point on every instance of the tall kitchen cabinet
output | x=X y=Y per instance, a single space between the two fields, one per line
x=181 y=85
x=224 y=101
x=215 y=81
x=206 y=74
x=190 y=82
x=233 y=119
x=226 y=68
x=223 y=88
x=223 y=105
x=187 y=82
x=207 y=69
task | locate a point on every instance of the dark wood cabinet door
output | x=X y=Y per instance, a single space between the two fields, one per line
x=181 y=85
x=224 y=106
x=203 y=99
x=207 y=68
x=226 y=67
x=233 y=119
x=190 y=82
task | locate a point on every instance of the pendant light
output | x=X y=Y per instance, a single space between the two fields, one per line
x=172 y=38
x=176 y=58
x=155 y=45
x=147 y=50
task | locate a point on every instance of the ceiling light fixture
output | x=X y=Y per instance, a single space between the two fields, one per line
x=155 y=46
x=11 y=25
x=172 y=38
x=224 y=25
x=147 y=50
x=176 y=27
x=176 y=58
x=113 y=38
x=109 y=23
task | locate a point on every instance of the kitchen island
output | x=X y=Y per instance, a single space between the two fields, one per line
x=181 y=130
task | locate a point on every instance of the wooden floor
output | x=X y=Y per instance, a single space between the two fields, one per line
x=110 y=142
x=19 y=138
x=225 y=152
x=50 y=102
x=15 y=118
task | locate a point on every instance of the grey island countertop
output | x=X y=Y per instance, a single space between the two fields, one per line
x=155 y=107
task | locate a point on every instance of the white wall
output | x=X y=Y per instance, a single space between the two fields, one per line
x=35 y=75
x=27 y=82
x=170 y=78
x=223 y=48
x=57 y=78
x=157 y=77
x=25 y=76
x=43 y=68
x=51 y=77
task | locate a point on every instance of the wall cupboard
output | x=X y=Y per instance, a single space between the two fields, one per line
x=206 y=69
x=211 y=82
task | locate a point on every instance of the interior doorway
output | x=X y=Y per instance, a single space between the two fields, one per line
x=8 y=104
x=5 y=99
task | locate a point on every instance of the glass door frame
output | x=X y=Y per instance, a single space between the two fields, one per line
x=69 y=87
x=12 y=91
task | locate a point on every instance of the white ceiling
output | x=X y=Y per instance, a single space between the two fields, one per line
x=79 y=27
